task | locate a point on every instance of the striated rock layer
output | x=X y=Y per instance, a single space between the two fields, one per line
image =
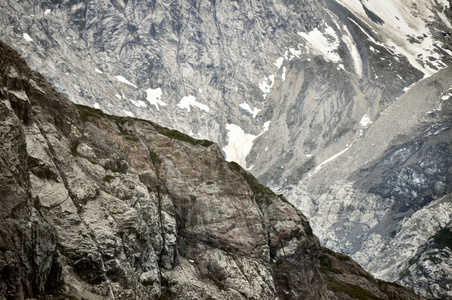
x=310 y=96
x=102 y=207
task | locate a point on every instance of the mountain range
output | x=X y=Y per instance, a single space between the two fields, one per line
x=342 y=106
x=96 y=206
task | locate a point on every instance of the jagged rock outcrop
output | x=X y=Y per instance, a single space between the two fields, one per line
x=105 y=207
x=28 y=249
x=345 y=279
x=139 y=210
x=431 y=263
x=284 y=87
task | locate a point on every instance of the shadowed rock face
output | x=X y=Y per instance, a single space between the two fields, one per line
x=319 y=75
x=98 y=207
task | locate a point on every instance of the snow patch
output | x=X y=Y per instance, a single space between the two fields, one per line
x=328 y=160
x=266 y=126
x=47 y=11
x=267 y=84
x=365 y=121
x=118 y=96
x=247 y=107
x=294 y=53
x=122 y=79
x=98 y=71
x=446 y=97
x=403 y=23
x=154 y=97
x=283 y=75
x=129 y=113
x=357 y=62
x=189 y=101
x=405 y=89
x=96 y=106
x=240 y=143
x=279 y=62
x=27 y=37
x=325 y=44
x=138 y=103
x=373 y=50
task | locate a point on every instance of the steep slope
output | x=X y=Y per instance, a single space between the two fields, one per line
x=389 y=190
x=141 y=211
x=103 y=207
x=284 y=87
x=431 y=263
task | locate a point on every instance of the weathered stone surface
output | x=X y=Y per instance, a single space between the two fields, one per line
x=28 y=250
x=105 y=207
x=282 y=86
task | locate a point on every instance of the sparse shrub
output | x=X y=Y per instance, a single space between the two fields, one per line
x=109 y=178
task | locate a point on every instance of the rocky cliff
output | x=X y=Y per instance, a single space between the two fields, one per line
x=342 y=105
x=96 y=206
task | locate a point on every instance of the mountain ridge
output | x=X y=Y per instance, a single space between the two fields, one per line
x=105 y=207
x=288 y=89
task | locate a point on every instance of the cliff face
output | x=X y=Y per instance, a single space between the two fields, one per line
x=123 y=208
x=103 y=207
x=299 y=92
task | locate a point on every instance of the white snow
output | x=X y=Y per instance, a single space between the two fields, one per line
x=154 y=97
x=239 y=144
x=138 y=103
x=279 y=62
x=267 y=84
x=405 y=89
x=373 y=50
x=348 y=40
x=365 y=121
x=189 y=101
x=96 y=106
x=266 y=126
x=98 y=71
x=325 y=44
x=283 y=75
x=118 y=96
x=191 y=260
x=129 y=113
x=122 y=79
x=47 y=11
x=328 y=160
x=247 y=107
x=294 y=53
x=27 y=37
x=403 y=20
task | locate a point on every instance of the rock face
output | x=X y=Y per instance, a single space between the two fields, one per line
x=431 y=263
x=28 y=249
x=345 y=279
x=96 y=206
x=310 y=96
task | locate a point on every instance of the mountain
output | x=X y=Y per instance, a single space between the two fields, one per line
x=97 y=206
x=343 y=106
